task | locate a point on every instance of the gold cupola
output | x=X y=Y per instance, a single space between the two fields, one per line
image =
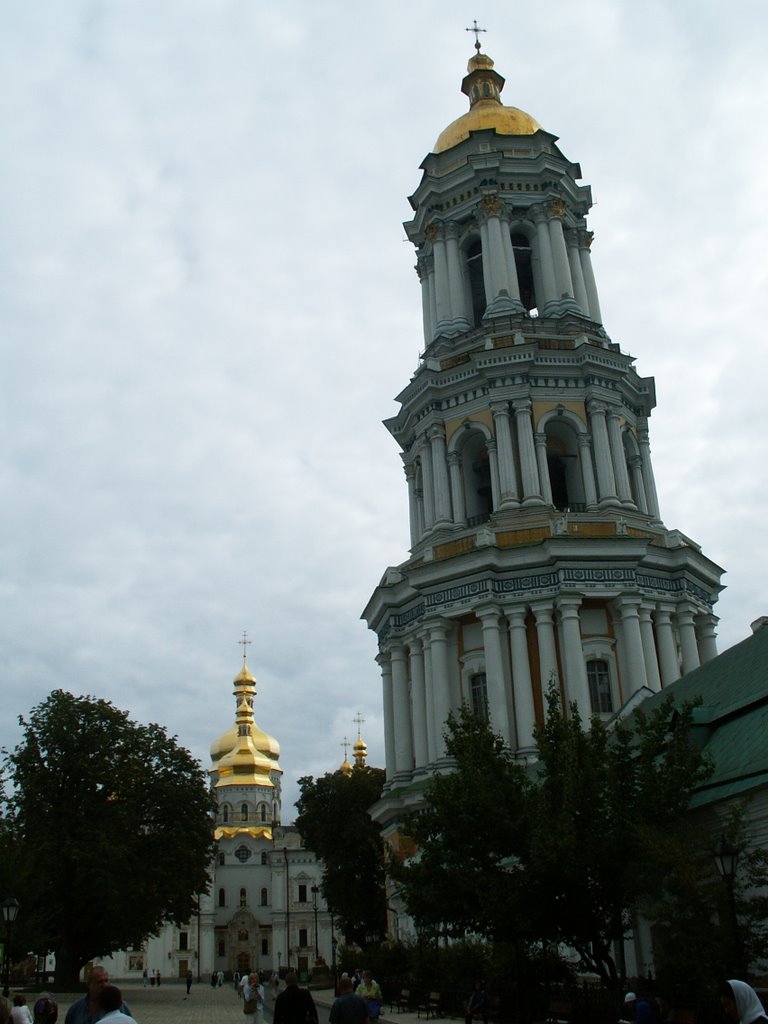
x=483 y=86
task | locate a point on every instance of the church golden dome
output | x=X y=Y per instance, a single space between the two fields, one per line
x=483 y=86
x=245 y=753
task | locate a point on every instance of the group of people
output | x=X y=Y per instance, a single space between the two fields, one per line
x=150 y=978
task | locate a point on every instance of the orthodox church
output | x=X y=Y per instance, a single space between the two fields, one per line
x=538 y=555
x=264 y=910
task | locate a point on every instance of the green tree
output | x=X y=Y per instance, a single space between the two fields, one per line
x=565 y=850
x=113 y=821
x=333 y=821
x=469 y=836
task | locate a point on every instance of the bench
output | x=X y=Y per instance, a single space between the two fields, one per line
x=402 y=1002
x=430 y=1006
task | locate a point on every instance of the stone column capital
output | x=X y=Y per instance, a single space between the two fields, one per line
x=434 y=231
x=522 y=406
x=556 y=208
x=500 y=409
x=436 y=432
x=568 y=605
x=454 y=458
x=490 y=444
x=596 y=408
x=451 y=229
x=585 y=239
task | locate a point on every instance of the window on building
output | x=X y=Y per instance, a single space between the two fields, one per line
x=183 y=940
x=478 y=691
x=302 y=893
x=523 y=264
x=221 y=858
x=264 y=857
x=303 y=937
x=244 y=812
x=222 y=898
x=243 y=853
x=264 y=898
x=243 y=898
x=225 y=814
x=265 y=947
x=599 y=680
x=263 y=812
x=222 y=947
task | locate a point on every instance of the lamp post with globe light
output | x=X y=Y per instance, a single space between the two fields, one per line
x=10 y=910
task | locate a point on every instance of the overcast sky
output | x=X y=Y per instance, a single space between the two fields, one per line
x=207 y=307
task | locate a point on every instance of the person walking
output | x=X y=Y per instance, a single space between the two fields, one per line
x=88 y=1010
x=370 y=991
x=189 y=979
x=294 y=1005
x=348 y=1007
x=475 y=1004
x=253 y=1000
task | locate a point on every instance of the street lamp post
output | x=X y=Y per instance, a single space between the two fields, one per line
x=333 y=955
x=315 y=890
x=726 y=860
x=10 y=910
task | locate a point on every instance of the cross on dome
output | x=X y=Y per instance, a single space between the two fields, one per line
x=477 y=32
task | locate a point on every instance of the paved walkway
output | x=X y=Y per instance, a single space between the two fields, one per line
x=205 y=1005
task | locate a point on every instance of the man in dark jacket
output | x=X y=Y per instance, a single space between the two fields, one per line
x=348 y=1008
x=294 y=1005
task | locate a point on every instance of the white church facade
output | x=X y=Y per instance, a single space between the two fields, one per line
x=264 y=910
x=538 y=551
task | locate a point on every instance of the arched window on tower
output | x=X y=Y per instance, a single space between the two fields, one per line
x=476 y=473
x=263 y=812
x=225 y=813
x=599 y=680
x=244 y=812
x=474 y=262
x=524 y=266
x=564 y=466
x=264 y=897
x=222 y=898
x=243 y=897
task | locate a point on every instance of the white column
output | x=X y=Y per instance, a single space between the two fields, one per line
x=706 y=631
x=418 y=703
x=493 y=465
x=687 y=631
x=509 y=256
x=525 y=712
x=618 y=457
x=494 y=671
x=648 y=478
x=402 y=709
x=413 y=514
x=587 y=470
x=546 y=264
x=427 y=483
x=585 y=240
x=440 y=475
x=652 y=675
x=459 y=314
x=419 y=495
x=442 y=287
x=505 y=454
x=605 y=479
x=577 y=274
x=669 y=665
x=485 y=248
x=575 y=668
x=457 y=489
x=556 y=209
x=389 y=713
x=441 y=687
x=545 y=634
x=429 y=695
x=528 y=468
x=422 y=269
x=634 y=660
x=540 y=440
x=635 y=466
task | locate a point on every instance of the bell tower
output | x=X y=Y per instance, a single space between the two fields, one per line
x=538 y=553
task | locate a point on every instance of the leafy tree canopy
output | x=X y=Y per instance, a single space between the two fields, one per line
x=111 y=823
x=563 y=850
x=333 y=821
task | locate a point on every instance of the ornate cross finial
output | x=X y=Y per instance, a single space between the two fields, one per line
x=243 y=643
x=477 y=32
x=358 y=720
x=345 y=746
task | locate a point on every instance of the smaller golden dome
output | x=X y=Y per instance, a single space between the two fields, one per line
x=345 y=768
x=483 y=86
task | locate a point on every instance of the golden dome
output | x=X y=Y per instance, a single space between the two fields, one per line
x=244 y=753
x=345 y=768
x=483 y=85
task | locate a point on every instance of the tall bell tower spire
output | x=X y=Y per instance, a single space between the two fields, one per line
x=538 y=552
